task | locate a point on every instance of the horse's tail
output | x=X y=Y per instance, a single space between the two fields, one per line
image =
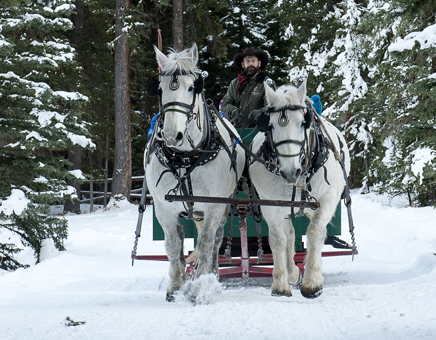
x=193 y=257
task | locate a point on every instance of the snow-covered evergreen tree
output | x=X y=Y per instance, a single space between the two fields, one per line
x=310 y=30
x=40 y=111
x=401 y=101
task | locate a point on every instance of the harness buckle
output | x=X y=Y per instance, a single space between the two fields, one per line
x=160 y=154
x=186 y=161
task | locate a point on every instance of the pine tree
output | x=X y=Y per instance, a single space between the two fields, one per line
x=41 y=110
x=310 y=30
x=400 y=103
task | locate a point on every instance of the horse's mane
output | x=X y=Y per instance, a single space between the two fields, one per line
x=286 y=95
x=180 y=61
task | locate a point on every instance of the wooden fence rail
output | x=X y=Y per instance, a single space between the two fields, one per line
x=90 y=196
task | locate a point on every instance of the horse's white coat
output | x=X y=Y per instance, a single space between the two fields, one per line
x=274 y=187
x=215 y=178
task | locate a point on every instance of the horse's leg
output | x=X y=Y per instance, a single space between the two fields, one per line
x=316 y=233
x=218 y=240
x=293 y=271
x=207 y=238
x=174 y=236
x=277 y=240
x=181 y=234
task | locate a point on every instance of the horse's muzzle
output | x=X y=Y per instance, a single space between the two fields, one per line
x=291 y=178
x=173 y=140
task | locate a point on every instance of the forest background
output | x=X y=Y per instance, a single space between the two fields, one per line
x=73 y=102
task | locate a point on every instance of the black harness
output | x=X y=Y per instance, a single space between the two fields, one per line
x=211 y=144
x=314 y=149
x=207 y=151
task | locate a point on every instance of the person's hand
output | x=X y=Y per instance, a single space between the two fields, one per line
x=254 y=114
x=236 y=115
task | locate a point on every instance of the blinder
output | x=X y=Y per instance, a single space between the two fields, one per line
x=153 y=86
x=199 y=84
x=263 y=122
x=283 y=119
x=307 y=118
x=153 y=89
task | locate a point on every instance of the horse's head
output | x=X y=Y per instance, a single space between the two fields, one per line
x=180 y=85
x=289 y=120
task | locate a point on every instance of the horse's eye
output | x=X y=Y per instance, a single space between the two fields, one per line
x=191 y=88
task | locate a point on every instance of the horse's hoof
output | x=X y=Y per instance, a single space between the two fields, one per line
x=311 y=293
x=281 y=293
x=170 y=297
x=297 y=284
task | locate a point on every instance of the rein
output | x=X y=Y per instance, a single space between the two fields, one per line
x=269 y=149
x=189 y=113
x=212 y=143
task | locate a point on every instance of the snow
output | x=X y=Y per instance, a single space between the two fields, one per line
x=3 y=43
x=77 y=173
x=71 y=95
x=426 y=39
x=80 y=140
x=35 y=135
x=421 y=157
x=64 y=7
x=15 y=203
x=45 y=117
x=387 y=292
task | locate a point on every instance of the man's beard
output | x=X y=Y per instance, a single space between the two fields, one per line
x=251 y=70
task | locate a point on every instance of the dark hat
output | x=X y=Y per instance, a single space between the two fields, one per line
x=239 y=57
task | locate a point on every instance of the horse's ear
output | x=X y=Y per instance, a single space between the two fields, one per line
x=301 y=92
x=271 y=96
x=160 y=57
x=194 y=53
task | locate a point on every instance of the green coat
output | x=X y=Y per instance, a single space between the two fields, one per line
x=251 y=98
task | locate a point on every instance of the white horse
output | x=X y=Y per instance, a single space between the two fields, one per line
x=190 y=153
x=292 y=150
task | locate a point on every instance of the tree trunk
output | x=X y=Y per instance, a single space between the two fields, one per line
x=178 y=25
x=75 y=152
x=122 y=177
x=75 y=157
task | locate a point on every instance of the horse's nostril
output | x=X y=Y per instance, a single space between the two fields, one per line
x=298 y=173
x=179 y=136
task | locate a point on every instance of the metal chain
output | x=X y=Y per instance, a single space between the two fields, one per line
x=135 y=247
x=351 y=225
x=228 y=250
x=260 y=252
x=309 y=197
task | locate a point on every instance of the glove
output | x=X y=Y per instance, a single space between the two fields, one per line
x=236 y=115
x=254 y=114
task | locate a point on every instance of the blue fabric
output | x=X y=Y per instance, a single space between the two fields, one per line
x=152 y=124
x=317 y=103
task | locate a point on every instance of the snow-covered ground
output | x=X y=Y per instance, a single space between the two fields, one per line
x=387 y=292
